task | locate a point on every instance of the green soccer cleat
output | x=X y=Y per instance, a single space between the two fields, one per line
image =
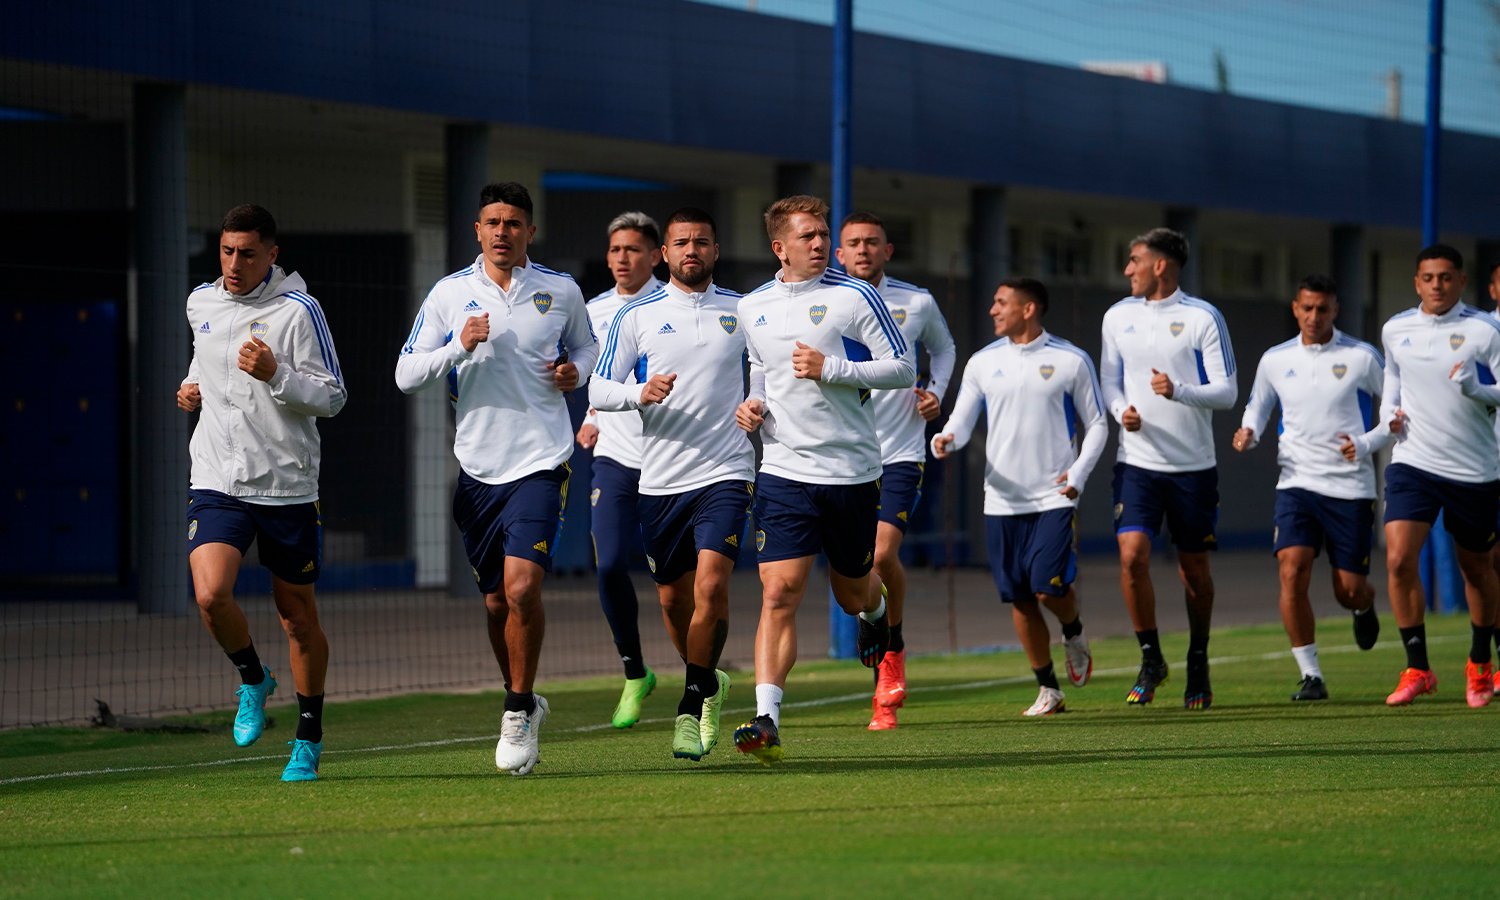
x=685 y=741
x=628 y=710
x=303 y=766
x=250 y=721
x=712 y=707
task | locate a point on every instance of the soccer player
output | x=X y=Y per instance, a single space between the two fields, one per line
x=1441 y=360
x=1032 y=387
x=615 y=437
x=1325 y=381
x=1492 y=282
x=1166 y=365
x=901 y=418
x=509 y=337
x=697 y=466
x=817 y=342
x=263 y=371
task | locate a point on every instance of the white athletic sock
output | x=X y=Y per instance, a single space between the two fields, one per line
x=768 y=702
x=876 y=613
x=1307 y=660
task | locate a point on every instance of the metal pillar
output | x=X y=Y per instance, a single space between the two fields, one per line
x=160 y=348
x=466 y=157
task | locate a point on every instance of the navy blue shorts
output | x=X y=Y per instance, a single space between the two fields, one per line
x=795 y=519
x=900 y=489
x=290 y=538
x=616 y=524
x=1032 y=553
x=678 y=526
x=520 y=518
x=1309 y=519
x=1469 y=509
x=1188 y=500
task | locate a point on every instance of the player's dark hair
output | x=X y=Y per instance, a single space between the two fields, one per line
x=508 y=192
x=1319 y=284
x=1441 y=251
x=249 y=217
x=862 y=217
x=1166 y=242
x=1034 y=290
x=692 y=215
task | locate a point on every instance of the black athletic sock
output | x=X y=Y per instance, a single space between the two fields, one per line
x=898 y=643
x=1150 y=645
x=630 y=655
x=1074 y=628
x=248 y=664
x=701 y=684
x=1197 y=665
x=310 y=718
x=520 y=701
x=1414 y=639
x=1046 y=676
x=1479 y=649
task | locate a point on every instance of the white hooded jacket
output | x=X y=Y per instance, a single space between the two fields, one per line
x=258 y=440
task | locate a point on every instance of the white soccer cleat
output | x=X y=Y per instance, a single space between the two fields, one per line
x=1048 y=701
x=518 y=752
x=1080 y=661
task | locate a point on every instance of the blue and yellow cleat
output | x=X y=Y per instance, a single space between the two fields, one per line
x=303 y=766
x=760 y=738
x=250 y=721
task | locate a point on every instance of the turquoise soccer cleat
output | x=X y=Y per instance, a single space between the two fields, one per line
x=250 y=721
x=303 y=766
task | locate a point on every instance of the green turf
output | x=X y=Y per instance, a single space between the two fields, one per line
x=1253 y=797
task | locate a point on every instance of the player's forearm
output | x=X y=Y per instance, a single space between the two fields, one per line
x=942 y=372
x=610 y=395
x=317 y=394
x=1217 y=394
x=892 y=373
x=416 y=371
x=1089 y=452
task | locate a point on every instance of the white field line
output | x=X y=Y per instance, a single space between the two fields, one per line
x=861 y=697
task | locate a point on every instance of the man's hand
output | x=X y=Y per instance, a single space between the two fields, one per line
x=475 y=331
x=588 y=435
x=1398 y=421
x=1161 y=383
x=1130 y=420
x=1347 y=448
x=257 y=359
x=941 y=444
x=189 y=399
x=564 y=374
x=807 y=362
x=749 y=415
x=1068 y=490
x=657 y=388
x=1243 y=438
x=928 y=404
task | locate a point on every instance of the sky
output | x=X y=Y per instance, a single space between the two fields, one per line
x=1331 y=54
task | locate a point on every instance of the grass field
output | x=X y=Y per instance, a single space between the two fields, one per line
x=1256 y=796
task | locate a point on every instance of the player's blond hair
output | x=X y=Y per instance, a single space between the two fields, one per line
x=782 y=210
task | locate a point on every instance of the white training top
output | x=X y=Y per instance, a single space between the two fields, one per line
x=1449 y=429
x=1325 y=391
x=1032 y=395
x=901 y=428
x=512 y=419
x=822 y=432
x=619 y=432
x=1186 y=339
x=258 y=440
x=690 y=438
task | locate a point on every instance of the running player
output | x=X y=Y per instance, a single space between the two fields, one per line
x=264 y=370
x=1034 y=389
x=1166 y=365
x=1441 y=361
x=817 y=342
x=509 y=337
x=615 y=437
x=1325 y=381
x=901 y=418
x=697 y=469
